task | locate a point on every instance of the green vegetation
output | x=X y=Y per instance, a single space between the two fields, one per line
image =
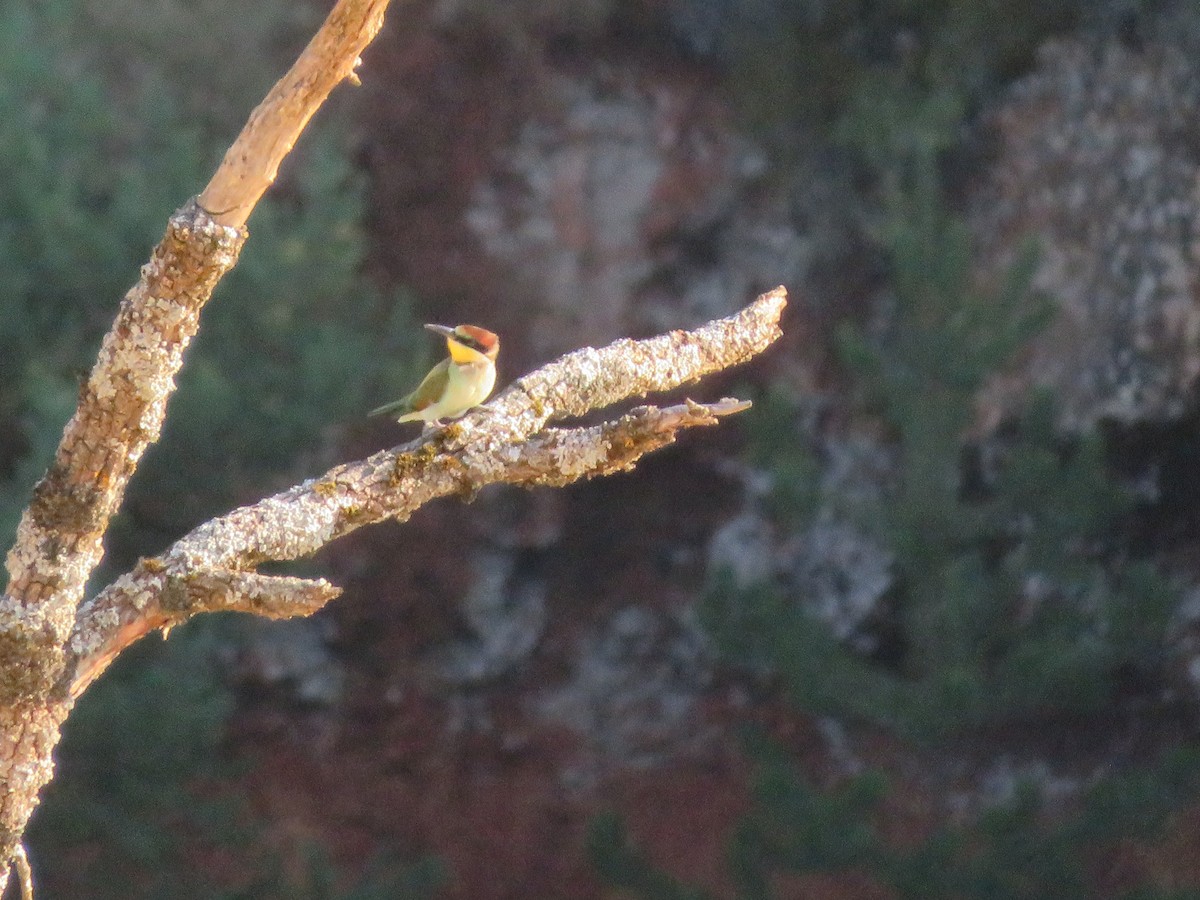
x=624 y=867
x=136 y=755
x=801 y=62
x=1003 y=607
x=1013 y=599
x=144 y=803
x=321 y=880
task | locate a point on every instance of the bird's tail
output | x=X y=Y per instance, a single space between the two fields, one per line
x=395 y=405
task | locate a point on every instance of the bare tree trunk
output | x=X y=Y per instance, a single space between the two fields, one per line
x=121 y=410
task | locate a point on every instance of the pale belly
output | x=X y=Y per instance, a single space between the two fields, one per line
x=467 y=386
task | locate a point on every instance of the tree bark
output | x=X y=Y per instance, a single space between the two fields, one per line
x=121 y=410
x=59 y=539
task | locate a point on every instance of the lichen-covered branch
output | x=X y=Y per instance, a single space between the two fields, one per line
x=269 y=596
x=178 y=593
x=559 y=456
x=121 y=410
x=60 y=536
x=492 y=445
x=251 y=164
x=591 y=379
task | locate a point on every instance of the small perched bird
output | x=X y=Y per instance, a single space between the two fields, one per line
x=456 y=384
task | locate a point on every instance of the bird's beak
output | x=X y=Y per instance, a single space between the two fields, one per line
x=441 y=329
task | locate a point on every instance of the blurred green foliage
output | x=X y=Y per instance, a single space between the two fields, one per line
x=623 y=866
x=111 y=121
x=777 y=444
x=320 y=879
x=134 y=794
x=145 y=801
x=1003 y=607
x=801 y=62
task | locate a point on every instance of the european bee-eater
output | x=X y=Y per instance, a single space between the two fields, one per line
x=458 y=383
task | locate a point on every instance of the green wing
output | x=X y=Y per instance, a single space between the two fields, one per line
x=426 y=393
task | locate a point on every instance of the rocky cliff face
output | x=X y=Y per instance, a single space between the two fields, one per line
x=1097 y=155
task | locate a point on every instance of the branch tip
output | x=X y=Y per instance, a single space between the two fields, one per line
x=726 y=406
x=24 y=871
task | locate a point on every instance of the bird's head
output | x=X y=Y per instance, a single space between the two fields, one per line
x=468 y=343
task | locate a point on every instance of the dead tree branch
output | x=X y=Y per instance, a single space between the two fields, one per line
x=121 y=410
x=491 y=445
x=251 y=164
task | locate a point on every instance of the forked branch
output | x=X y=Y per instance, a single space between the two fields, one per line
x=120 y=412
x=505 y=442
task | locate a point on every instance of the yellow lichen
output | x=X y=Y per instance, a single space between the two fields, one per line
x=356 y=514
x=325 y=488
x=408 y=463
